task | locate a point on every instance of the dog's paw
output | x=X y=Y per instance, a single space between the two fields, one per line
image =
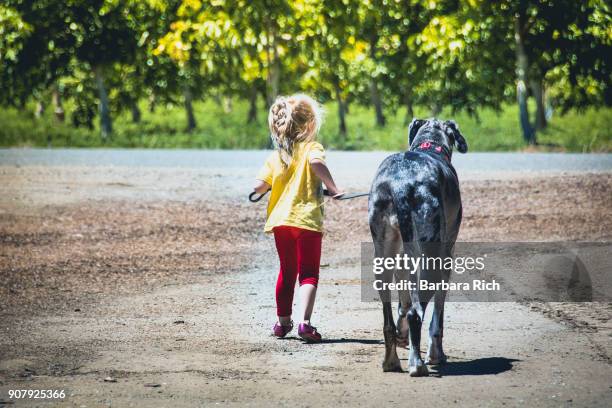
x=393 y=366
x=419 y=370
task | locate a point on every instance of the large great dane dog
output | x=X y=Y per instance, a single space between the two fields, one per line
x=415 y=210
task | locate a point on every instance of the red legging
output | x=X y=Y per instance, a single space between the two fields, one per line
x=299 y=251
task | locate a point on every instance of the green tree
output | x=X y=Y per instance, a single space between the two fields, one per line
x=104 y=37
x=203 y=41
x=35 y=48
x=266 y=31
x=331 y=50
x=566 y=41
x=397 y=64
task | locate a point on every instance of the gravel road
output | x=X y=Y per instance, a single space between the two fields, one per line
x=149 y=269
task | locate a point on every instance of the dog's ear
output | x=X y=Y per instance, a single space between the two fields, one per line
x=413 y=128
x=460 y=142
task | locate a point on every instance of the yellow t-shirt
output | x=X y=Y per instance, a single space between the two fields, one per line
x=297 y=195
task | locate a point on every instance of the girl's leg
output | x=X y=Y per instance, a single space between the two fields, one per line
x=308 y=293
x=287 y=275
x=309 y=259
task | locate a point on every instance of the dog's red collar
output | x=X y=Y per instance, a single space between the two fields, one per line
x=436 y=148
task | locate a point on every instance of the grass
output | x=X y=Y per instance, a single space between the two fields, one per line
x=587 y=131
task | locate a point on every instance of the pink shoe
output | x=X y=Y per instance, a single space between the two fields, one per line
x=309 y=333
x=281 y=331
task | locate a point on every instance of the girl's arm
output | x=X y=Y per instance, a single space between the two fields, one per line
x=320 y=169
x=261 y=186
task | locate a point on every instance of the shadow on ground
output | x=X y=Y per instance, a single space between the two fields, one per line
x=360 y=341
x=479 y=366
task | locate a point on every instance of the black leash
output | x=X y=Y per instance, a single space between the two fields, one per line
x=254 y=197
x=348 y=196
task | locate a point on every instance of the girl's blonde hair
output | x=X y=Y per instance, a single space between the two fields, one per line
x=293 y=119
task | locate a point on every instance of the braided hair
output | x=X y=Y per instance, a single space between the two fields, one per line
x=292 y=120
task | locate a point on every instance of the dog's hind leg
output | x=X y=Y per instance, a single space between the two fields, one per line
x=387 y=245
x=435 y=353
x=405 y=303
x=416 y=366
x=391 y=361
x=402 y=319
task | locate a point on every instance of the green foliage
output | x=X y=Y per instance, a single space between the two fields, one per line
x=586 y=131
x=449 y=57
x=13 y=33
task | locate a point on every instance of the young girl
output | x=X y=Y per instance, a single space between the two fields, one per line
x=294 y=172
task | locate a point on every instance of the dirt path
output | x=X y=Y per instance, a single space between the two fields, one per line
x=499 y=353
x=166 y=292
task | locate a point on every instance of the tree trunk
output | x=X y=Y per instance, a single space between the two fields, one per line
x=375 y=96
x=228 y=104
x=217 y=98
x=522 y=66
x=252 y=116
x=106 y=124
x=136 y=115
x=374 y=92
x=40 y=110
x=537 y=87
x=409 y=109
x=152 y=103
x=435 y=109
x=548 y=109
x=341 y=111
x=191 y=121
x=58 y=107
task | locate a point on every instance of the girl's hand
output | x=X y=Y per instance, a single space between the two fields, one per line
x=261 y=186
x=336 y=194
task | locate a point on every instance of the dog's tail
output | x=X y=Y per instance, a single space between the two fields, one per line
x=405 y=218
x=415 y=218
